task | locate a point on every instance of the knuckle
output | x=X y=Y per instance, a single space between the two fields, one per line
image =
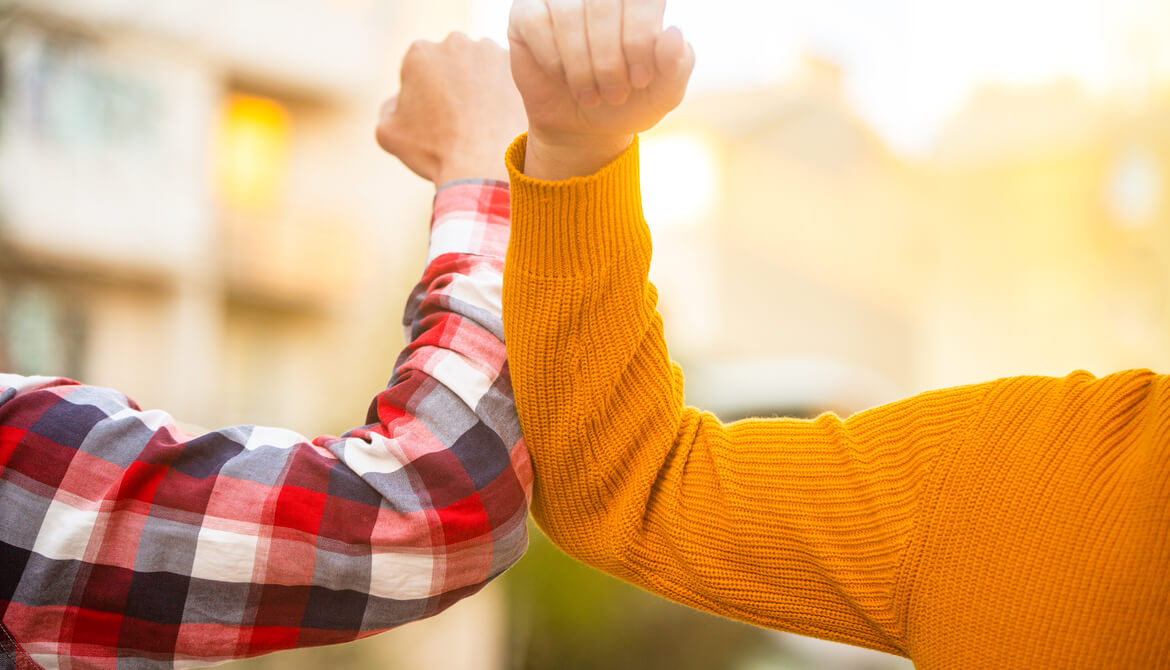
x=417 y=49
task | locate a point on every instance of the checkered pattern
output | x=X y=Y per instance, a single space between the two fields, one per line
x=126 y=543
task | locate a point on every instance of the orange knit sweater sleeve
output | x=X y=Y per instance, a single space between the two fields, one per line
x=1018 y=523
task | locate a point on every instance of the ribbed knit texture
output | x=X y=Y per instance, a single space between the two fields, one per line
x=1020 y=523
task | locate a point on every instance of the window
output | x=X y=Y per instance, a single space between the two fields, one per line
x=252 y=153
x=42 y=331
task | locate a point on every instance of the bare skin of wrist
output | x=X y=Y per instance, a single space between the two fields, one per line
x=472 y=167
x=556 y=158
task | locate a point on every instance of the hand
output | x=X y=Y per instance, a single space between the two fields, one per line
x=592 y=74
x=456 y=112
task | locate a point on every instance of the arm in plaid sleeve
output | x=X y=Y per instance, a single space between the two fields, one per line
x=121 y=538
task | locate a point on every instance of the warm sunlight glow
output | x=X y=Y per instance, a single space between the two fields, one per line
x=680 y=179
x=909 y=65
x=253 y=147
x=1135 y=188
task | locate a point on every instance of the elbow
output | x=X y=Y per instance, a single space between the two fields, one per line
x=486 y=533
x=592 y=538
x=511 y=544
x=474 y=554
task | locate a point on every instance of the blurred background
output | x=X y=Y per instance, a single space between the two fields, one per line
x=859 y=200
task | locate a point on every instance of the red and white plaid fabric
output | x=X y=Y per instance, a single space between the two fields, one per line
x=125 y=542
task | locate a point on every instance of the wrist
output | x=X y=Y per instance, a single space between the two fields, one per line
x=558 y=156
x=467 y=167
x=457 y=173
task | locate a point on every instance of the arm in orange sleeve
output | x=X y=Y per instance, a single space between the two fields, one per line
x=907 y=528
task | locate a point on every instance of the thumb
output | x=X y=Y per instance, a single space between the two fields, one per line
x=383 y=132
x=530 y=78
x=388 y=108
x=544 y=95
x=675 y=60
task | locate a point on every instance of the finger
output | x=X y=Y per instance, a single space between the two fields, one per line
x=387 y=108
x=603 y=24
x=530 y=78
x=674 y=60
x=641 y=25
x=383 y=131
x=530 y=24
x=417 y=52
x=490 y=44
x=568 y=19
x=457 y=37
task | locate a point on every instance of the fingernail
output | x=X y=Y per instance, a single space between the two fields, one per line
x=589 y=97
x=639 y=75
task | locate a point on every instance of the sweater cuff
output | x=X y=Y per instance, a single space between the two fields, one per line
x=577 y=226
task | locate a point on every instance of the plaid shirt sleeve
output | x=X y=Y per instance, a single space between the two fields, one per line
x=126 y=543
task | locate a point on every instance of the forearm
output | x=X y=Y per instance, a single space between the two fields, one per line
x=445 y=429
x=334 y=539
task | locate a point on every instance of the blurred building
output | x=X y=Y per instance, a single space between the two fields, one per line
x=1051 y=250
x=186 y=197
x=812 y=240
x=836 y=275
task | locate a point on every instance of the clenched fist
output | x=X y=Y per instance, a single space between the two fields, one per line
x=456 y=112
x=592 y=74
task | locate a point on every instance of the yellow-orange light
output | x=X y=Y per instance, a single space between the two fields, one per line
x=1135 y=188
x=252 y=152
x=680 y=179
